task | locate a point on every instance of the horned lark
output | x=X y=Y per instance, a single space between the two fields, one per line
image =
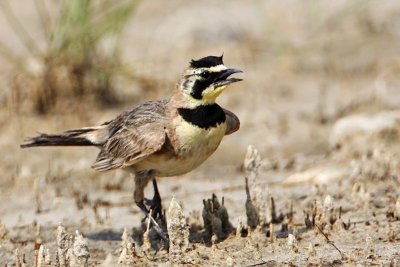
x=161 y=138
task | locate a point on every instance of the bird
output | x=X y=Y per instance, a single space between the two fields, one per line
x=160 y=138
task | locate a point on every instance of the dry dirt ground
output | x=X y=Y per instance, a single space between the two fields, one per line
x=320 y=101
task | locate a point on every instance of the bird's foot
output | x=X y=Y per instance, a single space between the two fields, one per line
x=154 y=223
x=156 y=211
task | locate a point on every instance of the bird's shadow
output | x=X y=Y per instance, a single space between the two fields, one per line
x=105 y=235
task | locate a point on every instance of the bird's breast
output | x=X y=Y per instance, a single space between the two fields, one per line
x=193 y=136
x=190 y=147
x=194 y=140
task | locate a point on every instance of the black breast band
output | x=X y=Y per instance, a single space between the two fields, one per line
x=204 y=116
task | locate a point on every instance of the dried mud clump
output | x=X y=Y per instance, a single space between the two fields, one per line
x=127 y=256
x=292 y=243
x=43 y=259
x=252 y=161
x=240 y=229
x=178 y=231
x=256 y=203
x=380 y=164
x=216 y=219
x=62 y=246
x=272 y=235
x=146 y=246
x=253 y=219
x=79 y=253
x=19 y=261
x=72 y=251
x=325 y=215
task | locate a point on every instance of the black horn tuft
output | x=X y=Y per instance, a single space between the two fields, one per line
x=207 y=62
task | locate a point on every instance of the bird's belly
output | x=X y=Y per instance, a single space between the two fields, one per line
x=192 y=147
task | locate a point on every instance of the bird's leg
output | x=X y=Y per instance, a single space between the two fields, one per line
x=155 y=203
x=140 y=182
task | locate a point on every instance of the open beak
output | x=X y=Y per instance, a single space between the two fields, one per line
x=223 y=80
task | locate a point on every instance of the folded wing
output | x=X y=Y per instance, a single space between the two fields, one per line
x=131 y=141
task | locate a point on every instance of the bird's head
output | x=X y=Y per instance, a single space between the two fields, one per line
x=206 y=78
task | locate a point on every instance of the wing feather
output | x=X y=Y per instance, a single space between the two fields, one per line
x=232 y=122
x=136 y=134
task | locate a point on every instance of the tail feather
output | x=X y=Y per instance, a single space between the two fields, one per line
x=89 y=136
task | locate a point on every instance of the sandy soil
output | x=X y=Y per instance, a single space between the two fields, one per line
x=309 y=68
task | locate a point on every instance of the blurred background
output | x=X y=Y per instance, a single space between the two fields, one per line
x=69 y=64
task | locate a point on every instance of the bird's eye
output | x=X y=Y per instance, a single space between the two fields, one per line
x=205 y=74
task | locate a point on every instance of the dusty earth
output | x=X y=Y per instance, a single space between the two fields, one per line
x=320 y=101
